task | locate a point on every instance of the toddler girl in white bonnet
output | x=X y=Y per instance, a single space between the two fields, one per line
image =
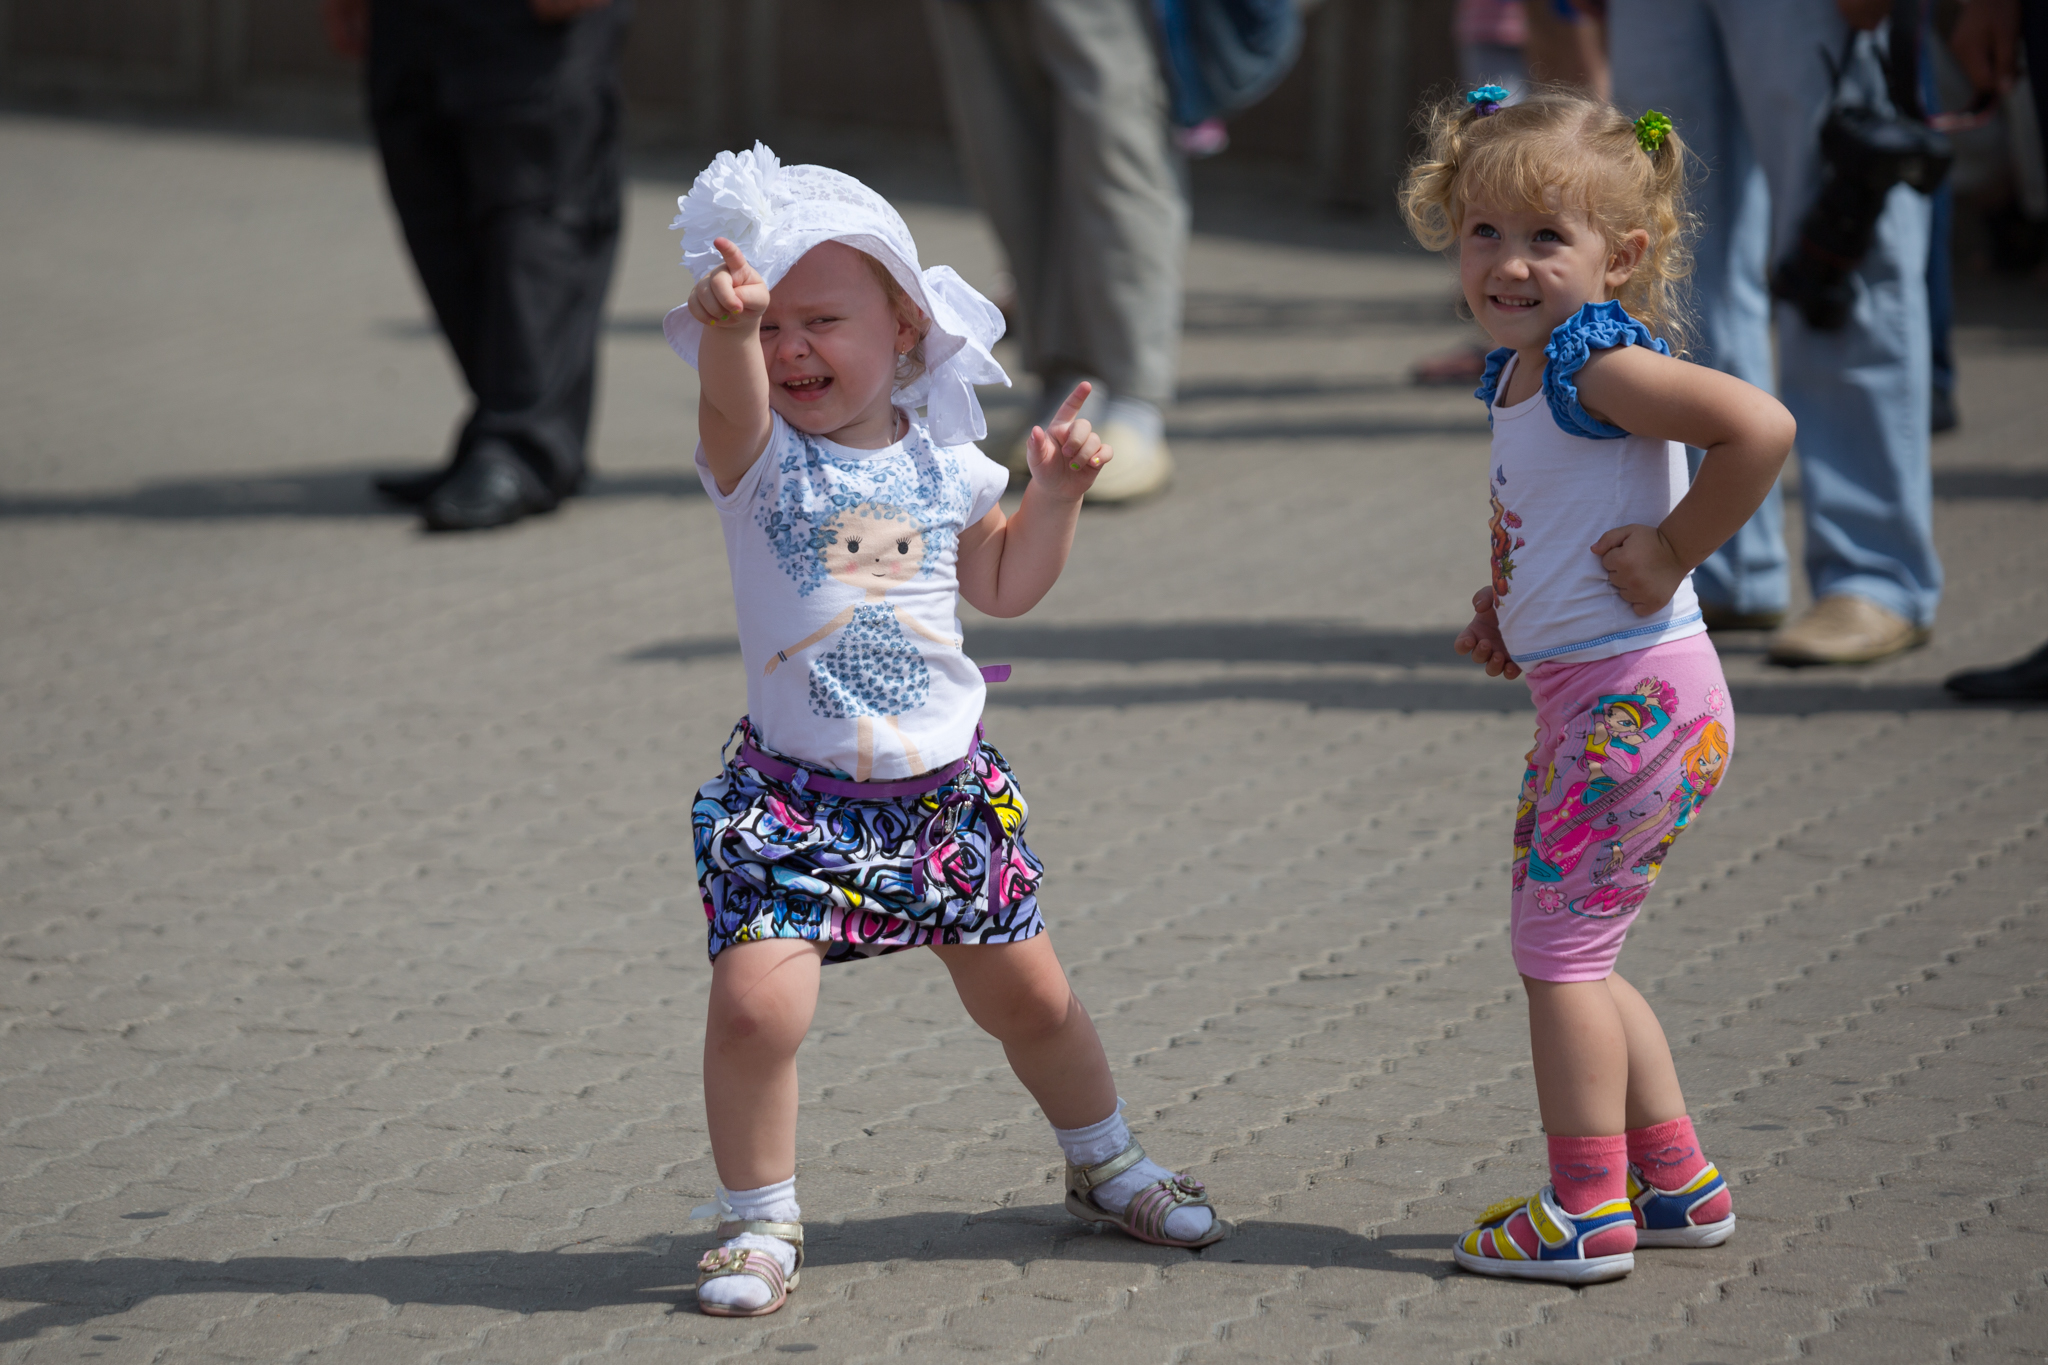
x=860 y=810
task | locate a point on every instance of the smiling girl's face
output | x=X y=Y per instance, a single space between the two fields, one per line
x=1525 y=271
x=874 y=553
x=831 y=340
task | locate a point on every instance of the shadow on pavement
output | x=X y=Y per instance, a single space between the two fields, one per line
x=1988 y=482
x=68 y=1293
x=1134 y=642
x=1309 y=642
x=341 y=492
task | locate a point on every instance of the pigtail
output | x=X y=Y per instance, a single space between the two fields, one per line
x=1428 y=193
x=1655 y=292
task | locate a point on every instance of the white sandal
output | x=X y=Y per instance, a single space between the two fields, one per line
x=1145 y=1216
x=721 y=1261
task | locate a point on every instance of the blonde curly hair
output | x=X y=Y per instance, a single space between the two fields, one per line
x=1560 y=147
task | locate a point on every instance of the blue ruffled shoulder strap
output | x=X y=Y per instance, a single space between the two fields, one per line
x=1596 y=327
x=1489 y=384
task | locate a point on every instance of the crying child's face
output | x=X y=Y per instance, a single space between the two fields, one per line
x=874 y=553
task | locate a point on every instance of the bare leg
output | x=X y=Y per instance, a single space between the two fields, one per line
x=763 y=995
x=909 y=749
x=1580 y=1047
x=1019 y=993
x=1602 y=1065
x=864 y=737
x=1653 y=1092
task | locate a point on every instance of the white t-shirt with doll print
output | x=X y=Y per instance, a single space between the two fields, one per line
x=1560 y=479
x=845 y=580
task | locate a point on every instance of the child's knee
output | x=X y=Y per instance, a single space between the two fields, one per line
x=750 y=1024
x=1031 y=1014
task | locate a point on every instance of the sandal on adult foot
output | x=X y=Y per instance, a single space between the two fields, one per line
x=721 y=1261
x=1145 y=1216
x=1534 y=1239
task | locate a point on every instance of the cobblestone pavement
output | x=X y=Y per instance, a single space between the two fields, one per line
x=354 y=973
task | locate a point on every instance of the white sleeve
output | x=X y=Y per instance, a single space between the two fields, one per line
x=750 y=482
x=988 y=479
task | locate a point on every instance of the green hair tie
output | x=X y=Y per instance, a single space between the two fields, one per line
x=1651 y=130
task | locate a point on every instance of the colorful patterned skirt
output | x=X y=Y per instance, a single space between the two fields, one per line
x=865 y=877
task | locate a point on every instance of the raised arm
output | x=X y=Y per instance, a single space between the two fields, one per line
x=1008 y=563
x=732 y=376
x=1745 y=433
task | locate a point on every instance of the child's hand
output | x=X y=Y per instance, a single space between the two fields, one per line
x=1482 y=639
x=734 y=292
x=1641 y=565
x=1066 y=454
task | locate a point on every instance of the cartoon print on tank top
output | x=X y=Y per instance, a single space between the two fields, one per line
x=1500 y=535
x=1634 y=785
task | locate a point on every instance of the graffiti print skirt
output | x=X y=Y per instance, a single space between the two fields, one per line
x=865 y=876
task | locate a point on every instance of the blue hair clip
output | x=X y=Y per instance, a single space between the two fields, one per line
x=1487 y=99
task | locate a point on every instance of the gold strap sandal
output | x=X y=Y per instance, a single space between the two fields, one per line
x=1145 y=1216
x=722 y=1260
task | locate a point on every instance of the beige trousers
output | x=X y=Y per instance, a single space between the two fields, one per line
x=1059 y=108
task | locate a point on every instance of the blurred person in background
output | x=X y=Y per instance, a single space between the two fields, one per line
x=1749 y=84
x=1061 y=110
x=1510 y=43
x=1987 y=40
x=498 y=125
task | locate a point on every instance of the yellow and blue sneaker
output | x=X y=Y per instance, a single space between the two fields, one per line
x=1534 y=1239
x=1701 y=1213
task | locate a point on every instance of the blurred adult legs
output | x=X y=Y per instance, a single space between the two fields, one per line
x=1747 y=83
x=1061 y=113
x=499 y=137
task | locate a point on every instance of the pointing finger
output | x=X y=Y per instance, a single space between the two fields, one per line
x=1072 y=407
x=735 y=260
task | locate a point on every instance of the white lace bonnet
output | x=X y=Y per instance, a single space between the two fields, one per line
x=775 y=213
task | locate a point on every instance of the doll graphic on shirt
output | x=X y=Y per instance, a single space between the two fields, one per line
x=874 y=671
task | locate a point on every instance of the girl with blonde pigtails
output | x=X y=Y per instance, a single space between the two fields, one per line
x=861 y=811
x=1569 y=226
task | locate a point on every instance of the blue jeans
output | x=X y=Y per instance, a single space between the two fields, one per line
x=1747 y=84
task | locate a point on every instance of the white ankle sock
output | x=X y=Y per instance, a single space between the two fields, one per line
x=770 y=1204
x=1097 y=1143
x=1136 y=414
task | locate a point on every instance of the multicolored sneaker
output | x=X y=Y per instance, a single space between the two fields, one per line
x=1534 y=1239
x=1668 y=1218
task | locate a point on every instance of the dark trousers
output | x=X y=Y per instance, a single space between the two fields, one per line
x=500 y=142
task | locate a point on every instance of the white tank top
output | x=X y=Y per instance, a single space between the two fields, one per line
x=1560 y=479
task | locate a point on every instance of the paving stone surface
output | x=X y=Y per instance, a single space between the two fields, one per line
x=353 y=967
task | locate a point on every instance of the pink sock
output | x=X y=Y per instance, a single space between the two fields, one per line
x=1668 y=1154
x=1587 y=1172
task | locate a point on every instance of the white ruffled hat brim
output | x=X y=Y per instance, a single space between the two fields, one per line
x=775 y=214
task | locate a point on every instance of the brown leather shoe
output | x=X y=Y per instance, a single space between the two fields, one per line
x=1845 y=630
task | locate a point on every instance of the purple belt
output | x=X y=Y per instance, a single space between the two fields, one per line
x=938 y=828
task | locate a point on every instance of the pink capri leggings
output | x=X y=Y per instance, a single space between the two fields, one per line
x=1627 y=750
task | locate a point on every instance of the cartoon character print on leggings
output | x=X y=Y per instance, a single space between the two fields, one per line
x=874 y=671
x=1593 y=825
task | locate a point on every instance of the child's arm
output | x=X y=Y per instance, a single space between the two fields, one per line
x=732 y=400
x=1482 y=639
x=1745 y=432
x=1008 y=563
x=782 y=655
